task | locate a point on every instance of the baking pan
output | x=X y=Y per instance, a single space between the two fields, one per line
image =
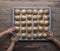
x=20 y=26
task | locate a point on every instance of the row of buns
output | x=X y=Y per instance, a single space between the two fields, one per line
x=29 y=23
x=30 y=29
x=29 y=17
x=29 y=11
x=35 y=36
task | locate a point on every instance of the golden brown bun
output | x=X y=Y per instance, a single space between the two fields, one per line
x=29 y=11
x=34 y=36
x=17 y=23
x=35 y=17
x=40 y=17
x=46 y=11
x=24 y=35
x=23 y=29
x=23 y=17
x=29 y=36
x=18 y=35
x=46 y=28
x=41 y=12
x=35 y=23
x=29 y=29
x=29 y=17
x=17 y=28
x=17 y=11
x=44 y=35
x=17 y=17
x=29 y=23
x=41 y=22
x=45 y=17
x=46 y=22
x=35 y=29
x=40 y=28
x=40 y=35
x=35 y=11
x=23 y=11
x=23 y=23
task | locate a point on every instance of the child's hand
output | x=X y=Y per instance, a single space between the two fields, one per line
x=15 y=38
x=51 y=36
x=10 y=30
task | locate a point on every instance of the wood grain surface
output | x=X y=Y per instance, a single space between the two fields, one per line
x=5 y=23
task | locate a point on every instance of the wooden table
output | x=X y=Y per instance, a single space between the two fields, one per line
x=5 y=23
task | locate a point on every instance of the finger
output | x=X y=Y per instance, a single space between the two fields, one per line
x=13 y=29
x=49 y=38
x=13 y=36
x=18 y=35
x=12 y=33
x=48 y=33
x=51 y=32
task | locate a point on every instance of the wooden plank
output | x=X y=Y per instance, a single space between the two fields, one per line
x=9 y=5
x=42 y=46
x=26 y=3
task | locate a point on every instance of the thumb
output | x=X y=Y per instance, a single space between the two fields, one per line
x=49 y=38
